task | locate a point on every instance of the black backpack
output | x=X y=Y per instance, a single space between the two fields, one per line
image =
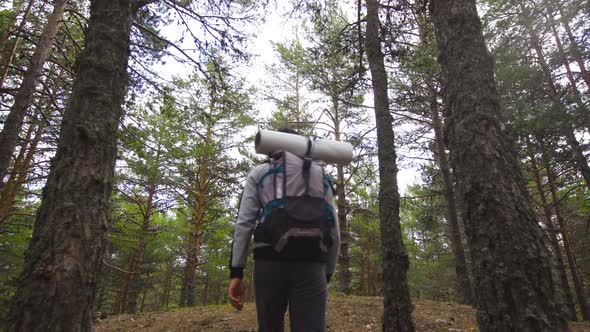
x=298 y=215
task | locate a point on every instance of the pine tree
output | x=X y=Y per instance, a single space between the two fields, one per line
x=511 y=263
x=397 y=307
x=57 y=286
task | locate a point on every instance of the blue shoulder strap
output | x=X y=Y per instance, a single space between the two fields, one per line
x=277 y=169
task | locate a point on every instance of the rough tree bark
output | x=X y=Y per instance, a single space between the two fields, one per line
x=511 y=261
x=24 y=96
x=463 y=282
x=397 y=305
x=56 y=289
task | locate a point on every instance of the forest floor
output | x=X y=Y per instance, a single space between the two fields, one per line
x=344 y=314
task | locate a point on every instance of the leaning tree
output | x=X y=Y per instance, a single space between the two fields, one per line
x=511 y=261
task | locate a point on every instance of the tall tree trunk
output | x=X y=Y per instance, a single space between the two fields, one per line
x=22 y=164
x=582 y=109
x=511 y=264
x=206 y=289
x=194 y=250
x=124 y=292
x=190 y=270
x=10 y=55
x=575 y=49
x=56 y=289
x=570 y=305
x=569 y=254
x=397 y=304
x=344 y=276
x=199 y=207
x=578 y=153
x=463 y=282
x=24 y=96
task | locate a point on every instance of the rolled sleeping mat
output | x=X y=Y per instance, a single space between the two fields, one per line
x=332 y=152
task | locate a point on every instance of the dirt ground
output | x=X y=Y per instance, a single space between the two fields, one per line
x=344 y=314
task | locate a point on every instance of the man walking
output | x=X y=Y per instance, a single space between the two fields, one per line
x=296 y=242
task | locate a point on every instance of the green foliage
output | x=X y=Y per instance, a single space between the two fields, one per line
x=177 y=162
x=5 y=18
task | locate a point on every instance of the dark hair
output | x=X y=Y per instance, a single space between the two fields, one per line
x=288 y=130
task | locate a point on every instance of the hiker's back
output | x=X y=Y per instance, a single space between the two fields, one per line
x=296 y=197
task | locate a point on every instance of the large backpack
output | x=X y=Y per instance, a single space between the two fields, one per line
x=297 y=213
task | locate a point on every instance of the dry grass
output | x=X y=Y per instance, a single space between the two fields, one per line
x=344 y=314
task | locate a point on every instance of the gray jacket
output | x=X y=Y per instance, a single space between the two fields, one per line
x=249 y=215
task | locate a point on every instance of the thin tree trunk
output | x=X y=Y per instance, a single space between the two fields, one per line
x=22 y=164
x=56 y=289
x=165 y=300
x=569 y=254
x=344 y=275
x=190 y=271
x=143 y=296
x=367 y=278
x=198 y=220
x=124 y=293
x=117 y=305
x=578 y=153
x=219 y=292
x=464 y=283
x=24 y=96
x=134 y=286
x=397 y=304
x=552 y=236
x=140 y=256
x=8 y=57
x=582 y=110
x=183 y=288
x=206 y=289
x=576 y=150
x=511 y=265
x=195 y=236
x=575 y=49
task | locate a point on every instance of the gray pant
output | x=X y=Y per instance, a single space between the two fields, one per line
x=299 y=285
